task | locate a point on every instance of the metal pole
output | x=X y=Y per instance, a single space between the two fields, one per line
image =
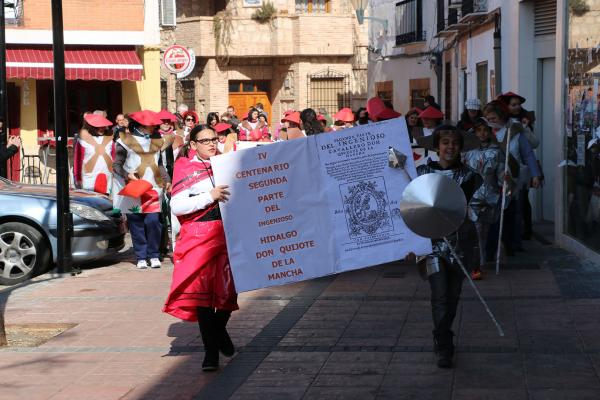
x=503 y=206
x=485 y=305
x=3 y=89
x=64 y=216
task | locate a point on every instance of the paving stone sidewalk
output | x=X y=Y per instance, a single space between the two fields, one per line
x=359 y=335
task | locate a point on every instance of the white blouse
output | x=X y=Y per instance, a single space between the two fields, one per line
x=194 y=198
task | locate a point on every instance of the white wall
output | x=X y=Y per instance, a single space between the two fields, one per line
x=395 y=64
x=400 y=71
x=480 y=48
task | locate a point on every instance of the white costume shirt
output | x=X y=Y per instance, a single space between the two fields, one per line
x=194 y=198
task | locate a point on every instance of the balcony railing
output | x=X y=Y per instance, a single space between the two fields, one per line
x=410 y=37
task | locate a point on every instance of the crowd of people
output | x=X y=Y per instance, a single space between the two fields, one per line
x=156 y=166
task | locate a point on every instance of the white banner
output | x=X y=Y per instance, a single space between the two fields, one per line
x=315 y=206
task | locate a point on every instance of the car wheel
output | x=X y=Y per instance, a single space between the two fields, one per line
x=23 y=253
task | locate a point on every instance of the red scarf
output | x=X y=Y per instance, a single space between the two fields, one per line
x=186 y=173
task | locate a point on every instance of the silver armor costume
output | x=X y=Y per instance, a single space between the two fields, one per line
x=488 y=161
x=464 y=239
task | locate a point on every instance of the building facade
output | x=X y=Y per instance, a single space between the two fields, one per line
x=112 y=62
x=305 y=53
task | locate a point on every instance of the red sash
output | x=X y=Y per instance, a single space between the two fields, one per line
x=186 y=174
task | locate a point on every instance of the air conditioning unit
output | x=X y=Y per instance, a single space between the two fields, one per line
x=168 y=14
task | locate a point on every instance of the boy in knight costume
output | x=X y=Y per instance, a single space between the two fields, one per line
x=93 y=155
x=444 y=274
x=484 y=209
x=137 y=158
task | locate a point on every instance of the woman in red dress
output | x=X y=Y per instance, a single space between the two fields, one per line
x=202 y=289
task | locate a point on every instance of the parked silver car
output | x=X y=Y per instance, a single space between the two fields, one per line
x=28 y=243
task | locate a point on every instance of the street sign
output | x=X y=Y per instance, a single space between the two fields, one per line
x=179 y=60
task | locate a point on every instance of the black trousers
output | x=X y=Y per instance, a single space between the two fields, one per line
x=446 y=286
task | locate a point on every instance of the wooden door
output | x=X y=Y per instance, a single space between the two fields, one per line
x=245 y=94
x=243 y=101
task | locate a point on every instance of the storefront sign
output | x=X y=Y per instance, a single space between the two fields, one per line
x=316 y=206
x=179 y=60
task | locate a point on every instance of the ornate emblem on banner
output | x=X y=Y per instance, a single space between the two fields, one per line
x=366 y=208
x=179 y=60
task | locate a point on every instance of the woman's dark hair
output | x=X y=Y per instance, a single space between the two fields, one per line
x=498 y=108
x=185 y=149
x=311 y=124
x=252 y=110
x=466 y=118
x=411 y=112
x=212 y=116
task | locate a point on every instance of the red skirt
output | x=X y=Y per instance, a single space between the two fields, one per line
x=202 y=275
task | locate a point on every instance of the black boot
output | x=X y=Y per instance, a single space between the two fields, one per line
x=444 y=348
x=225 y=344
x=208 y=329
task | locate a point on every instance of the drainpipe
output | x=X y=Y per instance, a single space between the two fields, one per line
x=497 y=54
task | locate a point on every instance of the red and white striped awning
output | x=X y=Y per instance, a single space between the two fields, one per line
x=102 y=63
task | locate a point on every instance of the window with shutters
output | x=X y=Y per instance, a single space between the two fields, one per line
x=186 y=93
x=163 y=95
x=409 y=22
x=545 y=17
x=482 y=82
x=385 y=90
x=313 y=6
x=167 y=13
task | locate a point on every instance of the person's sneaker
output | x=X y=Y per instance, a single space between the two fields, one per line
x=476 y=275
x=141 y=264
x=155 y=263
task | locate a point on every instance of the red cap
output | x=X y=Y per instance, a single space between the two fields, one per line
x=136 y=189
x=222 y=127
x=345 y=115
x=165 y=115
x=375 y=106
x=415 y=109
x=505 y=97
x=292 y=117
x=388 y=113
x=193 y=114
x=377 y=110
x=97 y=121
x=145 y=118
x=245 y=115
x=321 y=117
x=432 y=113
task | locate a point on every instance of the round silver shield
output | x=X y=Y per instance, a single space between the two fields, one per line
x=433 y=206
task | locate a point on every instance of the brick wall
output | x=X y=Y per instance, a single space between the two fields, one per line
x=107 y=15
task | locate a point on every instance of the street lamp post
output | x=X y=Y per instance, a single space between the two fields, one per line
x=64 y=216
x=359 y=7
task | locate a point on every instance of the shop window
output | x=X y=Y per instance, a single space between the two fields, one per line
x=482 y=82
x=581 y=162
x=409 y=22
x=313 y=6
